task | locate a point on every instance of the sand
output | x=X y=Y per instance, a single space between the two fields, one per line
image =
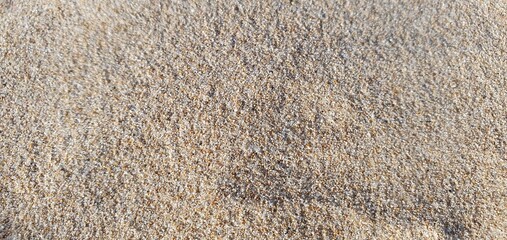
x=253 y=119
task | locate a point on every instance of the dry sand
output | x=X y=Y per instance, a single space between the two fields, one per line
x=253 y=119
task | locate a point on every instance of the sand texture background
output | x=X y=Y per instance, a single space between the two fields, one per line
x=253 y=119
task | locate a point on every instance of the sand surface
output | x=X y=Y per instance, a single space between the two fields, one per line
x=253 y=119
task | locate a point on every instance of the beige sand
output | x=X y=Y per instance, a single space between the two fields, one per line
x=253 y=119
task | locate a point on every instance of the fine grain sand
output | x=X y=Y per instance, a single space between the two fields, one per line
x=253 y=119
